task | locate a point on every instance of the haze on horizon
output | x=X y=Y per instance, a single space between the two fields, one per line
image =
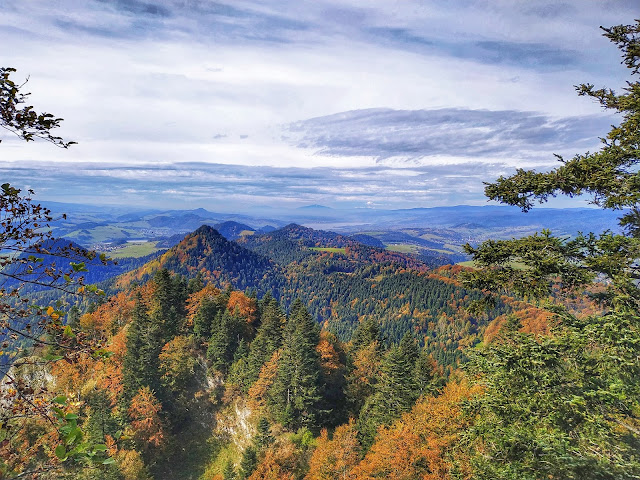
x=226 y=105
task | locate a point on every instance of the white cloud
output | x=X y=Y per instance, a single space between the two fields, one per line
x=155 y=83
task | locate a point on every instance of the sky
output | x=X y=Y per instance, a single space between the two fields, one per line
x=229 y=105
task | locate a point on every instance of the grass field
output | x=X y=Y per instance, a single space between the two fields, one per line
x=134 y=250
x=468 y=263
x=328 y=249
x=403 y=248
x=101 y=234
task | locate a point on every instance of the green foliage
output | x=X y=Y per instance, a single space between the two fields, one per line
x=144 y=343
x=227 y=331
x=394 y=394
x=565 y=405
x=268 y=338
x=229 y=472
x=560 y=406
x=263 y=436
x=248 y=463
x=296 y=389
x=205 y=317
x=74 y=448
x=367 y=332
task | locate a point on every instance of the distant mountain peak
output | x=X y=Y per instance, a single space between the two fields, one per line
x=315 y=206
x=206 y=230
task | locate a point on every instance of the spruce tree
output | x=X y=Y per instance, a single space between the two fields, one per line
x=267 y=340
x=166 y=304
x=565 y=405
x=144 y=343
x=367 y=332
x=395 y=394
x=229 y=472
x=205 y=316
x=227 y=330
x=248 y=463
x=296 y=389
x=263 y=436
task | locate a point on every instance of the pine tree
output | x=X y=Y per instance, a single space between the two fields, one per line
x=226 y=334
x=295 y=393
x=426 y=377
x=248 y=463
x=268 y=338
x=100 y=422
x=367 y=332
x=409 y=348
x=205 y=316
x=565 y=405
x=166 y=303
x=263 y=436
x=144 y=343
x=229 y=472
x=395 y=394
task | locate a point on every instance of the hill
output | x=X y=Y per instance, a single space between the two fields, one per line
x=207 y=253
x=233 y=230
x=343 y=283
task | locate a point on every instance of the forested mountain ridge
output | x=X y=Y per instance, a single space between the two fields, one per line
x=294 y=243
x=174 y=377
x=341 y=281
x=208 y=253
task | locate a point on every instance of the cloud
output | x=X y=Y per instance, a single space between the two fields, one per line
x=416 y=134
x=435 y=96
x=232 y=187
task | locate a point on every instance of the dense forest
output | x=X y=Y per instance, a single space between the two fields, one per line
x=300 y=354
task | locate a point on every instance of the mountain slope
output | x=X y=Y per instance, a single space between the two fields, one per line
x=207 y=252
x=342 y=281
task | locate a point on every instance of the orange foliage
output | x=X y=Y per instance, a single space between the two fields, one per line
x=448 y=274
x=118 y=345
x=245 y=305
x=108 y=371
x=70 y=376
x=111 y=315
x=258 y=391
x=195 y=299
x=417 y=445
x=145 y=421
x=334 y=459
x=533 y=320
x=271 y=469
x=329 y=357
x=32 y=440
x=366 y=370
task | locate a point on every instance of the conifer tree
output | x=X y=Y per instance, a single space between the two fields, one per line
x=225 y=337
x=263 y=436
x=296 y=388
x=395 y=394
x=100 y=422
x=409 y=348
x=229 y=472
x=204 y=318
x=166 y=303
x=367 y=332
x=144 y=343
x=268 y=338
x=426 y=376
x=565 y=405
x=248 y=463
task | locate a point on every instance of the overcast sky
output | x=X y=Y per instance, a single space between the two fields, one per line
x=229 y=104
